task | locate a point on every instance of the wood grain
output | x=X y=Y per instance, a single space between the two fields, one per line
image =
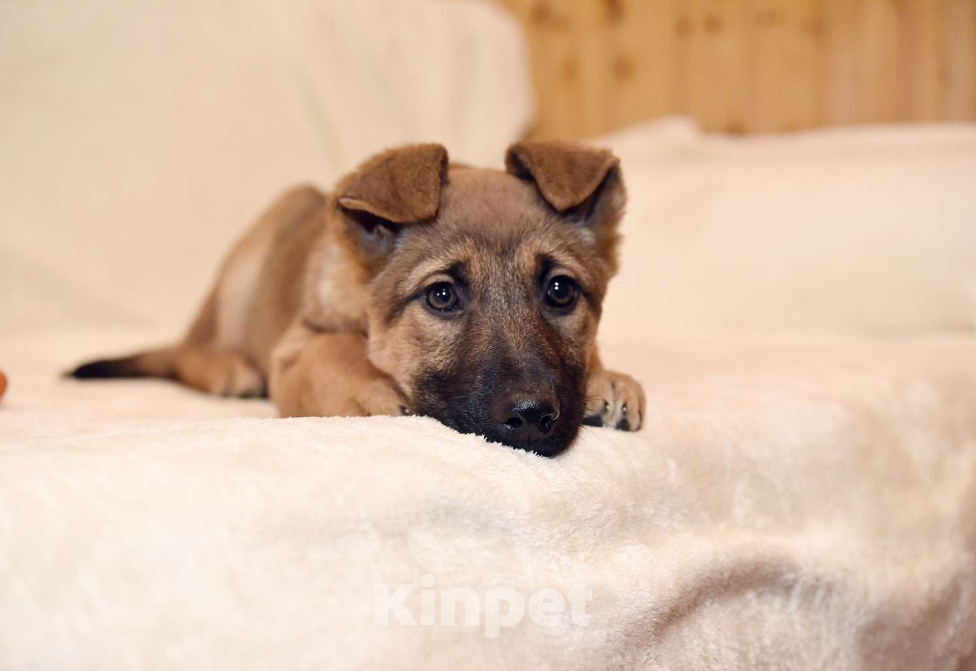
x=747 y=66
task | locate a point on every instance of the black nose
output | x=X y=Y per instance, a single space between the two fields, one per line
x=525 y=417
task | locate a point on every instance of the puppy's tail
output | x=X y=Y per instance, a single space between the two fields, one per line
x=154 y=363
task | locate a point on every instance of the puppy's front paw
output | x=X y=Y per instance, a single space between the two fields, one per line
x=381 y=397
x=615 y=400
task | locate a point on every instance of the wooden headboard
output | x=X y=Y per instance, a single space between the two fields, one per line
x=748 y=66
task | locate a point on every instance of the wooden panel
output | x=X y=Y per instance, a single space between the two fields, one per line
x=749 y=65
x=876 y=59
x=922 y=45
x=839 y=42
x=959 y=55
x=555 y=63
x=783 y=77
x=711 y=63
x=644 y=62
x=596 y=86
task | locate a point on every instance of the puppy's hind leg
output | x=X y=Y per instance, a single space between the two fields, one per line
x=196 y=362
x=205 y=359
x=223 y=373
x=206 y=362
x=216 y=356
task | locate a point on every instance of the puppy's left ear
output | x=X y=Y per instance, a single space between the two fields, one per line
x=575 y=179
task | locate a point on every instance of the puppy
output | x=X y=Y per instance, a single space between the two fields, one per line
x=423 y=287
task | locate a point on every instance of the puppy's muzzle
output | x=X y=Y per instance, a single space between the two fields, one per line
x=524 y=417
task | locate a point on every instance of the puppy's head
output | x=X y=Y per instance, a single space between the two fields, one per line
x=486 y=286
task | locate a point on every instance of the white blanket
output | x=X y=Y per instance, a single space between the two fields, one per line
x=801 y=506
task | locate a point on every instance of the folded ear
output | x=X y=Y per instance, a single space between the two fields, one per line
x=400 y=186
x=569 y=175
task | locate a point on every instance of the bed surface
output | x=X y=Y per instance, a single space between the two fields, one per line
x=790 y=504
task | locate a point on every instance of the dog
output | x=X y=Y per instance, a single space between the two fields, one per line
x=419 y=286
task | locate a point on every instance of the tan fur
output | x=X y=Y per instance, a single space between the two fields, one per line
x=303 y=302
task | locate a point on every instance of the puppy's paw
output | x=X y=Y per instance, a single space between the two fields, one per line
x=381 y=397
x=615 y=400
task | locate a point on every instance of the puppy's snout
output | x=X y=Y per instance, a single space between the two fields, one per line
x=525 y=417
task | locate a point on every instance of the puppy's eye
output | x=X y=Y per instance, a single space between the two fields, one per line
x=561 y=292
x=442 y=296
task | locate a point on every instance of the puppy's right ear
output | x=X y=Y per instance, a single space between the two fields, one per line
x=396 y=188
x=402 y=186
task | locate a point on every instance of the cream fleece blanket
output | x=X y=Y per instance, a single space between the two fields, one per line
x=788 y=506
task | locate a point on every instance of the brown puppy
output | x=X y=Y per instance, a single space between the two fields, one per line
x=468 y=295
